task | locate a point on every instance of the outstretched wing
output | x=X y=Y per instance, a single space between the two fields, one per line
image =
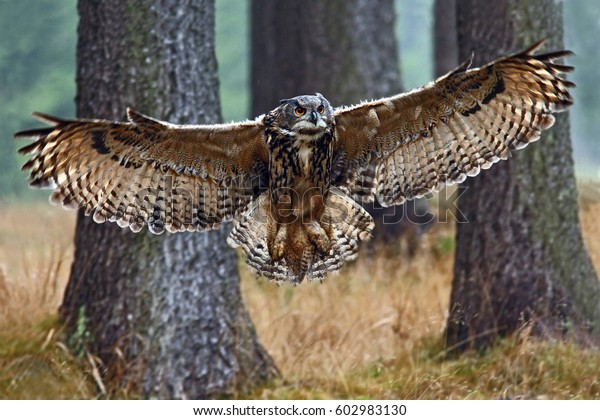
x=145 y=171
x=407 y=145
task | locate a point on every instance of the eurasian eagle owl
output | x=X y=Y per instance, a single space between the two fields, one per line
x=290 y=179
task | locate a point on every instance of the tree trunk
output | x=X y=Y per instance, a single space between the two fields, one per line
x=520 y=259
x=163 y=313
x=344 y=49
x=445 y=42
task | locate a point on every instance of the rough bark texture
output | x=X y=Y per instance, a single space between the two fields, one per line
x=444 y=37
x=521 y=257
x=164 y=314
x=344 y=49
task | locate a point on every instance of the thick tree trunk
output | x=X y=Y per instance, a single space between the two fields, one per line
x=164 y=314
x=444 y=37
x=521 y=257
x=344 y=49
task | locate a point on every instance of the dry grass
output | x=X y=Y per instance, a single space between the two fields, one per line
x=372 y=332
x=36 y=249
x=35 y=365
x=589 y=204
x=374 y=311
x=35 y=255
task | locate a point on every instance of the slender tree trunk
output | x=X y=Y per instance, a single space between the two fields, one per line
x=344 y=49
x=521 y=257
x=163 y=313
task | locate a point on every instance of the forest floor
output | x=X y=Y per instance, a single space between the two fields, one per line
x=373 y=332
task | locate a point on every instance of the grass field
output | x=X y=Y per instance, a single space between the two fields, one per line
x=373 y=332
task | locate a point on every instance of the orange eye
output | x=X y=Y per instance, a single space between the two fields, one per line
x=300 y=111
x=321 y=109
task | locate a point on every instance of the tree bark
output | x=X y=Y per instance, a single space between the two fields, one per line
x=343 y=49
x=520 y=258
x=444 y=37
x=163 y=313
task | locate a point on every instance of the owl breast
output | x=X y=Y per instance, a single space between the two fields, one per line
x=298 y=188
x=299 y=170
x=305 y=154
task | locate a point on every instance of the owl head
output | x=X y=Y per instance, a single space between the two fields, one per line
x=306 y=114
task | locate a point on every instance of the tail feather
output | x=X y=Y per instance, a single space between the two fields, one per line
x=348 y=223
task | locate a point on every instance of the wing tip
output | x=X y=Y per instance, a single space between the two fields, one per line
x=40 y=132
x=533 y=47
x=136 y=117
x=47 y=118
x=132 y=114
x=550 y=56
x=462 y=67
x=35 y=133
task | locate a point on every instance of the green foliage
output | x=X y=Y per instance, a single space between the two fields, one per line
x=582 y=32
x=445 y=244
x=414 y=31
x=80 y=338
x=37 y=72
x=233 y=56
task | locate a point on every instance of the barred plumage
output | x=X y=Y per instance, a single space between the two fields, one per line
x=288 y=179
x=452 y=128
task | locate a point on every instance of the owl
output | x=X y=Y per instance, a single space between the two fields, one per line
x=292 y=180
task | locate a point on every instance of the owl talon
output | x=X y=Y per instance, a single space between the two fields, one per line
x=318 y=238
x=277 y=251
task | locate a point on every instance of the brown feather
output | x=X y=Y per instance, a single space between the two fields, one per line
x=147 y=171
x=452 y=128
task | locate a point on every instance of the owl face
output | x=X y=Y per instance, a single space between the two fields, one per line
x=306 y=114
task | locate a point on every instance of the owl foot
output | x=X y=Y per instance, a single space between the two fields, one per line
x=277 y=251
x=318 y=238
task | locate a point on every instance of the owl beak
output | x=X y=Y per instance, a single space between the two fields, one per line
x=313 y=117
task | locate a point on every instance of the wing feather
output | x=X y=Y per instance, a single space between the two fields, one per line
x=149 y=172
x=450 y=129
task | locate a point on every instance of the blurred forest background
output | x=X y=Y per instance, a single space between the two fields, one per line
x=37 y=70
x=391 y=348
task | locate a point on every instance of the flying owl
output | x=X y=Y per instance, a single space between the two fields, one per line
x=291 y=179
